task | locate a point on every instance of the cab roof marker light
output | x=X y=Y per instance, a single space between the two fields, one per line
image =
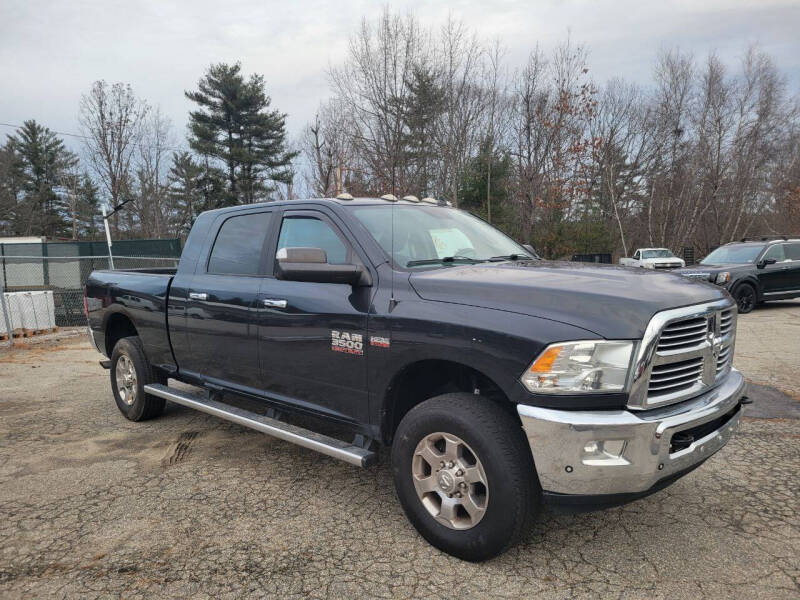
x=411 y=198
x=389 y=197
x=429 y=200
x=344 y=196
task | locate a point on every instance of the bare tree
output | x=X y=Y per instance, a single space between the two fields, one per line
x=372 y=85
x=153 y=204
x=111 y=119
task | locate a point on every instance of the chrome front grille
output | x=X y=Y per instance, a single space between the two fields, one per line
x=685 y=352
x=675 y=377
x=683 y=334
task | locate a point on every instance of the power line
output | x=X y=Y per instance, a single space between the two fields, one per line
x=84 y=137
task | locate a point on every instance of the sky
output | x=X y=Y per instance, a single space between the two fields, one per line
x=51 y=52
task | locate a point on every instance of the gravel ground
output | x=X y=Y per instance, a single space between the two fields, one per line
x=95 y=506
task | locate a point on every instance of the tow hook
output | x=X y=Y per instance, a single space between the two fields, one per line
x=745 y=400
x=681 y=440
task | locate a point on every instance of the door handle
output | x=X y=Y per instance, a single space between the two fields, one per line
x=274 y=303
x=198 y=296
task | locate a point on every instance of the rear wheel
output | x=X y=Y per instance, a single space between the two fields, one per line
x=464 y=475
x=130 y=372
x=745 y=296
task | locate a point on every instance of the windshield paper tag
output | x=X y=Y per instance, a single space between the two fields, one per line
x=448 y=242
x=349 y=343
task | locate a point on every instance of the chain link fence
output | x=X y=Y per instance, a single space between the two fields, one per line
x=39 y=294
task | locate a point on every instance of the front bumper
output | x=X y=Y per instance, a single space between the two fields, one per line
x=601 y=453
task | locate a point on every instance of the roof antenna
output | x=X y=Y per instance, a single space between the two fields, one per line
x=392 y=300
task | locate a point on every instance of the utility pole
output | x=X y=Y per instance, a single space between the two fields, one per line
x=106 y=215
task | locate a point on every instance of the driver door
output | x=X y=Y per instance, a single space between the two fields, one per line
x=312 y=337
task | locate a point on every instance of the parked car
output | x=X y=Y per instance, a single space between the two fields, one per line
x=653 y=258
x=498 y=380
x=753 y=271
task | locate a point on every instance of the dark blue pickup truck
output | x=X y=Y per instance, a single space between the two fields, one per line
x=498 y=380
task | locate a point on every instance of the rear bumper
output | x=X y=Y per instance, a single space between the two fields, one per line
x=96 y=337
x=628 y=453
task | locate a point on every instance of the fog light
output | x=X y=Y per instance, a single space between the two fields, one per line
x=604 y=453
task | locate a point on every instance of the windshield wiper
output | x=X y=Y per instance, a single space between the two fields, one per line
x=510 y=257
x=446 y=259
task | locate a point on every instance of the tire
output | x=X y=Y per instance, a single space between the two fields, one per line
x=746 y=298
x=501 y=511
x=130 y=372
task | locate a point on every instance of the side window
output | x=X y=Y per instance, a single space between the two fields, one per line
x=636 y=255
x=308 y=232
x=237 y=249
x=775 y=252
x=793 y=251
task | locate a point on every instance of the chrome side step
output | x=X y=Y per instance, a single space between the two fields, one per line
x=329 y=446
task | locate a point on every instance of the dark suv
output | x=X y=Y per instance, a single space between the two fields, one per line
x=753 y=271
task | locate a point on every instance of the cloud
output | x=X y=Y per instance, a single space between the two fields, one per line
x=51 y=52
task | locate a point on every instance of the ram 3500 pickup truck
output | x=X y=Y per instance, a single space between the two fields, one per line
x=498 y=380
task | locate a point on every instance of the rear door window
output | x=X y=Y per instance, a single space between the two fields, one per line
x=792 y=251
x=238 y=247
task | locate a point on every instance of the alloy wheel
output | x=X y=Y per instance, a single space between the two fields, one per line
x=450 y=480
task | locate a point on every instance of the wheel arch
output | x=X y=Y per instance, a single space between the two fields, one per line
x=425 y=378
x=118 y=325
x=750 y=280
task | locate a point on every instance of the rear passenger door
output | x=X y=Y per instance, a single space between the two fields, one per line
x=300 y=363
x=792 y=265
x=221 y=316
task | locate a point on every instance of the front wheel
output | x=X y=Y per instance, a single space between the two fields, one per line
x=745 y=296
x=130 y=372
x=464 y=474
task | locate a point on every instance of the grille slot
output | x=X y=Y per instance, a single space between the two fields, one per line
x=726 y=321
x=683 y=335
x=724 y=359
x=675 y=377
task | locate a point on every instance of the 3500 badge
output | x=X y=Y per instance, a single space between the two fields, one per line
x=349 y=343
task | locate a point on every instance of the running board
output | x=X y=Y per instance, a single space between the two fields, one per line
x=199 y=400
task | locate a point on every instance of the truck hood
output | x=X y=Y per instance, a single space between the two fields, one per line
x=613 y=302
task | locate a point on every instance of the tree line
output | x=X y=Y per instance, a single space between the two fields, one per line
x=235 y=153
x=702 y=155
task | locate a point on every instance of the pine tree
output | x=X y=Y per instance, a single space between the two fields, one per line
x=421 y=112
x=187 y=191
x=43 y=164
x=234 y=125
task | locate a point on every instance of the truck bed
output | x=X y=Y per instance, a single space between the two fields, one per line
x=139 y=294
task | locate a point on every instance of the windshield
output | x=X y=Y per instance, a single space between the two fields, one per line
x=435 y=235
x=657 y=253
x=732 y=255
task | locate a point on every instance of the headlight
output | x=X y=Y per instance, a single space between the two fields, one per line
x=723 y=278
x=580 y=367
x=649 y=266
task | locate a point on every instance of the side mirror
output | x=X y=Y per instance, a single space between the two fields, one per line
x=766 y=261
x=311 y=265
x=530 y=249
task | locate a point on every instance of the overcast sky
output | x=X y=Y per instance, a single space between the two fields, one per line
x=51 y=52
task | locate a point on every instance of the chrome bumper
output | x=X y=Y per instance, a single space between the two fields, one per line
x=622 y=451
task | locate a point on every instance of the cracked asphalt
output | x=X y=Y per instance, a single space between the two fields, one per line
x=92 y=505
